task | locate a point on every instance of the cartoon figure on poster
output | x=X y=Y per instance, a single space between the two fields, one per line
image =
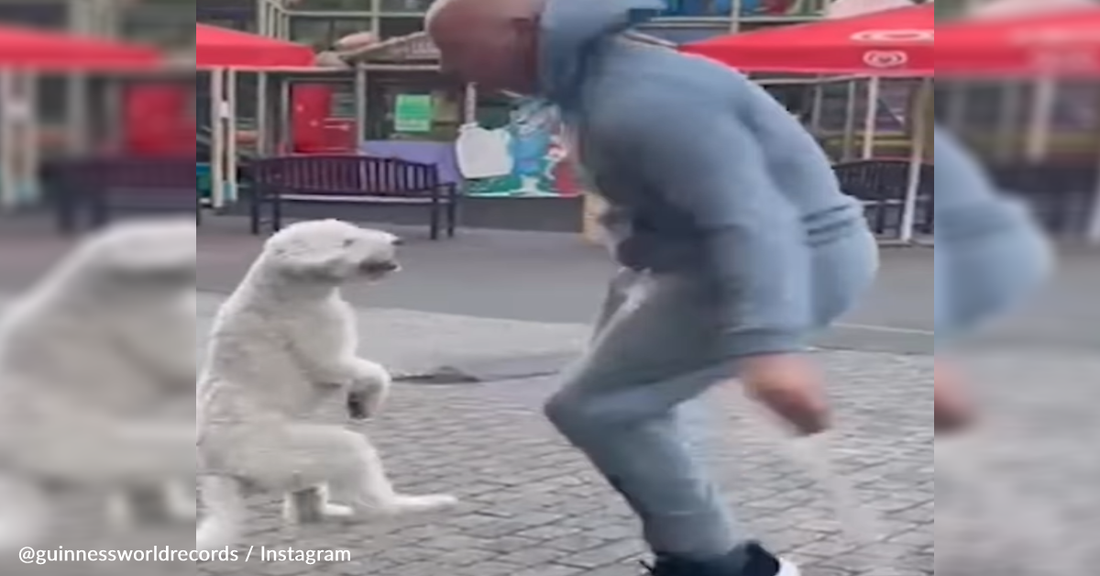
x=533 y=124
x=537 y=155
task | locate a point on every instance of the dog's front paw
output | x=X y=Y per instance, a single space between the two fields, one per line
x=369 y=391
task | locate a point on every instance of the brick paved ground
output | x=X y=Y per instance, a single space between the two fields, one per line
x=533 y=507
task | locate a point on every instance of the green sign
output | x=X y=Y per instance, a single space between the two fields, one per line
x=414 y=113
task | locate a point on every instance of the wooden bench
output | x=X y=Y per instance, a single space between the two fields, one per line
x=351 y=180
x=882 y=186
x=96 y=190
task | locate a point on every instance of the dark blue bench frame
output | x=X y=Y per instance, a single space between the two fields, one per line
x=882 y=186
x=354 y=180
x=94 y=190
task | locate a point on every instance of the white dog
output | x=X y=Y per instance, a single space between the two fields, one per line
x=283 y=342
x=90 y=359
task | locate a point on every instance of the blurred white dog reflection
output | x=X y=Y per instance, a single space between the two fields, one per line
x=283 y=342
x=89 y=360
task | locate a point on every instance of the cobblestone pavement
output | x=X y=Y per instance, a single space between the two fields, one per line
x=534 y=508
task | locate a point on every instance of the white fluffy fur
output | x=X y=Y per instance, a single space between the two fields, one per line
x=88 y=357
x=281 y=343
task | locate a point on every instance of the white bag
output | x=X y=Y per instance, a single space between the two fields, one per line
x=483 y=153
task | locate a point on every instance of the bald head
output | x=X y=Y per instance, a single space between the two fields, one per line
x=493 y=43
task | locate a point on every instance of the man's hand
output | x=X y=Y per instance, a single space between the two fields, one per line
x=953 y=411
x=791 y=387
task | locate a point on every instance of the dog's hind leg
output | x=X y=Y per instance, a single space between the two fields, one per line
x=313 y=505
x=354 y=470
x=226 y=513
x=372 y=492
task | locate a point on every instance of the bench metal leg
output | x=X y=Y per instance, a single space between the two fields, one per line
x=276 y=213
x=435 y=218
x=66 y=210
x=100 y=208
x=452 y=211
x=255 y=208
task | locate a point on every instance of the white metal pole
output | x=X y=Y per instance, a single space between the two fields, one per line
x=217 y=138
x=263 y=115
x=361 y=101
x=870 y=121
x=7 y=140
x=231 y=192
x=916 y=162
x=850 y=121
x=817 y=107
x=736 y=8
x=32 y=142
x=1039 y=121
x=469 y=104
x=1008 y=122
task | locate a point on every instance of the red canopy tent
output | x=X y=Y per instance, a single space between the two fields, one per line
x=53 y=52
x=896 y=42
x=223 y=48
x=1063 y=43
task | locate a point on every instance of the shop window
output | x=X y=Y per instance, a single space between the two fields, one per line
x=398 y=27
x=333 y=5
x=322 y=33
x=35 y=13
x=404 y=6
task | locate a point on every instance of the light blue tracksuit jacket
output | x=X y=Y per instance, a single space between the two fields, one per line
x=990 y=253
x=735 y=238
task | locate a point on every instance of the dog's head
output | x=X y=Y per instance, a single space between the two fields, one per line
x=332 y=251
x=138 y=256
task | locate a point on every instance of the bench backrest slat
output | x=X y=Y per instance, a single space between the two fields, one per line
x=346 y=176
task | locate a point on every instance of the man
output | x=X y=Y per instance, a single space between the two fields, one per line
x=736 y=243
x=990 y=254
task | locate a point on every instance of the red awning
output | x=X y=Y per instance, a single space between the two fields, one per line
x=222 y=47
x=1065 y=43
x=54 y=52
x=896 y=42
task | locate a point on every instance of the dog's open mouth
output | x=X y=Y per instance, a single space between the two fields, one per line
x=379 y=268
x=357 y=406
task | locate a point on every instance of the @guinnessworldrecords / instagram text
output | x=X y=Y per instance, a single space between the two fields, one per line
x=40 y=556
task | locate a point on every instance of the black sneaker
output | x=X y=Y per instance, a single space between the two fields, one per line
x=751 y=560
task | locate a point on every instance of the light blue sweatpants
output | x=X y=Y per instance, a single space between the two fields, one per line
x=659 y=344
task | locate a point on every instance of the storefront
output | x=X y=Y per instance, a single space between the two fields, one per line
x=421 y=109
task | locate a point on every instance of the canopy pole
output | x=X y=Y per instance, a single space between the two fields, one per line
x=817 y=107
x=29 y=191
x=217 y=138
x=263 y=115
x=850 y=110
x=1008 y=122
x=916 y=163
x=1042 y=112
x=361 y=101
x=231 y=138
x=870 y=121
x=7 y=139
